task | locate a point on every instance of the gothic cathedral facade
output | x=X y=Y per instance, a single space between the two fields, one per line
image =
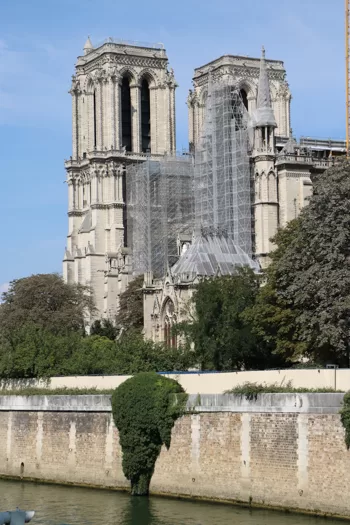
x=123 y=112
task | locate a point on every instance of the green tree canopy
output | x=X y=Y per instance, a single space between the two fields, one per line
x=134 y=354
x=104 y=328
x=222 y=335
x=305 y=306
x=36 y=352
x=272 y=316
x=42 y=334
x=46 y=301
x=314 y=273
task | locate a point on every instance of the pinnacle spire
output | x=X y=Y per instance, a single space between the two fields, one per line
x=264 y=111
x=88 y=46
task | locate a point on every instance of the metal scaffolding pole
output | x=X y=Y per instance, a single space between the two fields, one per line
x=222 y=167
x=160 y=210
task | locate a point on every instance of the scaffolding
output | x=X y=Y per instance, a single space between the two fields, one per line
x=160 y=212
x=222 y=169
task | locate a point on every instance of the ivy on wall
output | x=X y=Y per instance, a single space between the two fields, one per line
x=144 y=410
x=345 y=418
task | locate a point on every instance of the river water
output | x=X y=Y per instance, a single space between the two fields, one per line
x=55 y=505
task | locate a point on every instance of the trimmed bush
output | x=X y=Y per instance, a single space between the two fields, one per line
x=144 y=410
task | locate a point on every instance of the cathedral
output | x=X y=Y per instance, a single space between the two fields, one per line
x=135 y=206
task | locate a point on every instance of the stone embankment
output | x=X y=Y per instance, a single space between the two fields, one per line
x=280 y=450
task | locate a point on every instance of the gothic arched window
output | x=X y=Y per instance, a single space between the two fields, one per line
x=271 y=187
x=169 y=321
x=244 y=98
x=257 y=187
x=126 y=114
x=145 y=117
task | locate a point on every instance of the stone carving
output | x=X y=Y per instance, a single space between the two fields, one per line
x=75 y=86
x=192 y=98
x=283 y=90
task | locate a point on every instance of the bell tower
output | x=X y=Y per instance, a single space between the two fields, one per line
x=123 y=111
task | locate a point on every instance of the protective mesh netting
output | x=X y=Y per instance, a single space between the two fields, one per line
x=222 y=168
x=160 y=211
x=168 y=200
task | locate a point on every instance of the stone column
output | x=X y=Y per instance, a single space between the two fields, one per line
x=190 y=123
x=168 y=129
x=71 y=203
x=75 y=135
x=118 y=106
x=88 y=192
x=91 y=122
x=172 y=121
x=76 y=194
x=289 y=123
x=153 y=91
x=83 y=124
x=97 y=196
x=197 y=129
x=251 y=104
x=106 y=114
x=99 y=117
x=120 y=184
x=81 y=194
x=135 y=95
x=113 y=121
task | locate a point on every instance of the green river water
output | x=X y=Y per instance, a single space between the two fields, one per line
x=55 y=505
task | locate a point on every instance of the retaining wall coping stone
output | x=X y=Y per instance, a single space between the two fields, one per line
x=84 y=403
x=315 y=403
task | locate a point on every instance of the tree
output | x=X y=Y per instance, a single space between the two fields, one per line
x=34 y=352
x=134 y=354
x=46 y=301
x=130 y=315
x=314 y=272
x=222 y=336
x=104 y=328
x=272 y=316
x=310 y=277
x=144 y=413
x=41 y=325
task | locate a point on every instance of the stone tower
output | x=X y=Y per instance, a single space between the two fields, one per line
x=265 y=175
x=123 y=110
x=244 y=72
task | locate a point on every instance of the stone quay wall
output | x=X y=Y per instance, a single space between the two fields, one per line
x=280 y=450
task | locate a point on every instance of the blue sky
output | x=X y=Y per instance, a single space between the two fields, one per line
x=39 y=43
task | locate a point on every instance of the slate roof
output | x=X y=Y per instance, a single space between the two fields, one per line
x=211 y=255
